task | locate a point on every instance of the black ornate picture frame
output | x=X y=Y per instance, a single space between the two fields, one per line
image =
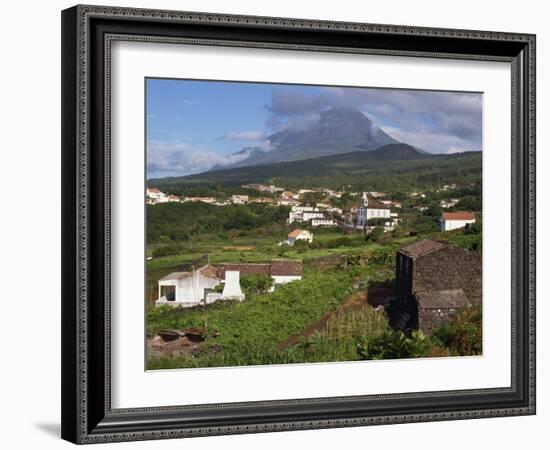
x=87 y=35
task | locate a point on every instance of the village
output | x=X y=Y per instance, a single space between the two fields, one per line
x=358 y=239
x=373 y=210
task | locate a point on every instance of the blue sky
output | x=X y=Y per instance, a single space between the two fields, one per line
x=194 y=125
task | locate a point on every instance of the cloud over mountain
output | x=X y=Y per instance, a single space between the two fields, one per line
x=452 y=116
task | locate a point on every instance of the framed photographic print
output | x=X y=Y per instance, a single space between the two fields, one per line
x=282 y=224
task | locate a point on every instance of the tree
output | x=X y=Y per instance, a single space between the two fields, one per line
x=375 y=221
x=375 y=234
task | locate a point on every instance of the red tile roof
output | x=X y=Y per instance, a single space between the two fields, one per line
x=245 y=268
x=277 y=267
x=460 y=215
x=286 y=267
x=295 y=233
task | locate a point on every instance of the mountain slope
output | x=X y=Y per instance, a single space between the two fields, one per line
x=331 y=132
x=378 y=169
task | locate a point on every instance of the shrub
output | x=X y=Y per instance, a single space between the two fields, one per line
x=255 y=284
x=462 y=336
x=166 y=250
x=394 y=345
x=375 y=234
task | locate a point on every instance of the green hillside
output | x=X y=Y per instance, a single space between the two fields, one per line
x=394 y=166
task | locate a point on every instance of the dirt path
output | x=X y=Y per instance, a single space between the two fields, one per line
x=355 y=301
x=376 y=297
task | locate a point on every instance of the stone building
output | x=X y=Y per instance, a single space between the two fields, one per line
x=433 y=280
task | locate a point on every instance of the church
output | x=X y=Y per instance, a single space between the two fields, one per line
x=374 y=211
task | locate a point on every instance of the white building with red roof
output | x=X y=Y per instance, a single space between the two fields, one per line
x=155 y=196
x=455 y=220
x=299 y=235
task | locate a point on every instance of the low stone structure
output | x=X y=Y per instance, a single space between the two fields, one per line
x=433 y=280
x=438 y=307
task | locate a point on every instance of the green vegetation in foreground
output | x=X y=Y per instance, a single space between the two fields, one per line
x=248 y=332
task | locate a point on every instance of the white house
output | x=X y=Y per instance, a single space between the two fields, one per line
x=308 y=215
x=322 y=222
x=455 y=220
x=285 y=271
x=187 y=289
x=239 y=199
x=299 y=235
x=155 y=196
x=174 y=199
x=298 y=213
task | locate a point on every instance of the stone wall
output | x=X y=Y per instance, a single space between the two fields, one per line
x=430 y=319
x=449 y=268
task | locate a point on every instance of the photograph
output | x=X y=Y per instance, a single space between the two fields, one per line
x=332 y=211
x=292 y=223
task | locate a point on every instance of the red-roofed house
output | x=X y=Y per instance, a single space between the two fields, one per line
x=299 y=235
x=455 y=220
x=155 y=196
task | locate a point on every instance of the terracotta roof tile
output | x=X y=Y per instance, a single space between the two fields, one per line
x=295 y=233
x=459 y=215
x=286 y=267
x=245 y=268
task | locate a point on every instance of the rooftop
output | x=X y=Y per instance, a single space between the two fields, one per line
x=207 y=271
x=444 y=299
x=459 y=215
x=245 y=268
x=286 y=267
x=295 y=233
x=421 y=248
x=277 y=267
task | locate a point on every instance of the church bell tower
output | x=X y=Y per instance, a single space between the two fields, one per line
x=362 y=211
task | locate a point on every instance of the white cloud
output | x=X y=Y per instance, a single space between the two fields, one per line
x=256 y=135
x=170 y=159
x=433 y=142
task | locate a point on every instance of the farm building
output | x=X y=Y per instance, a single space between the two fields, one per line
x=187 y=289
x=282 y=271
x=193 y=288
x=433 y=280
x=455 y=220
